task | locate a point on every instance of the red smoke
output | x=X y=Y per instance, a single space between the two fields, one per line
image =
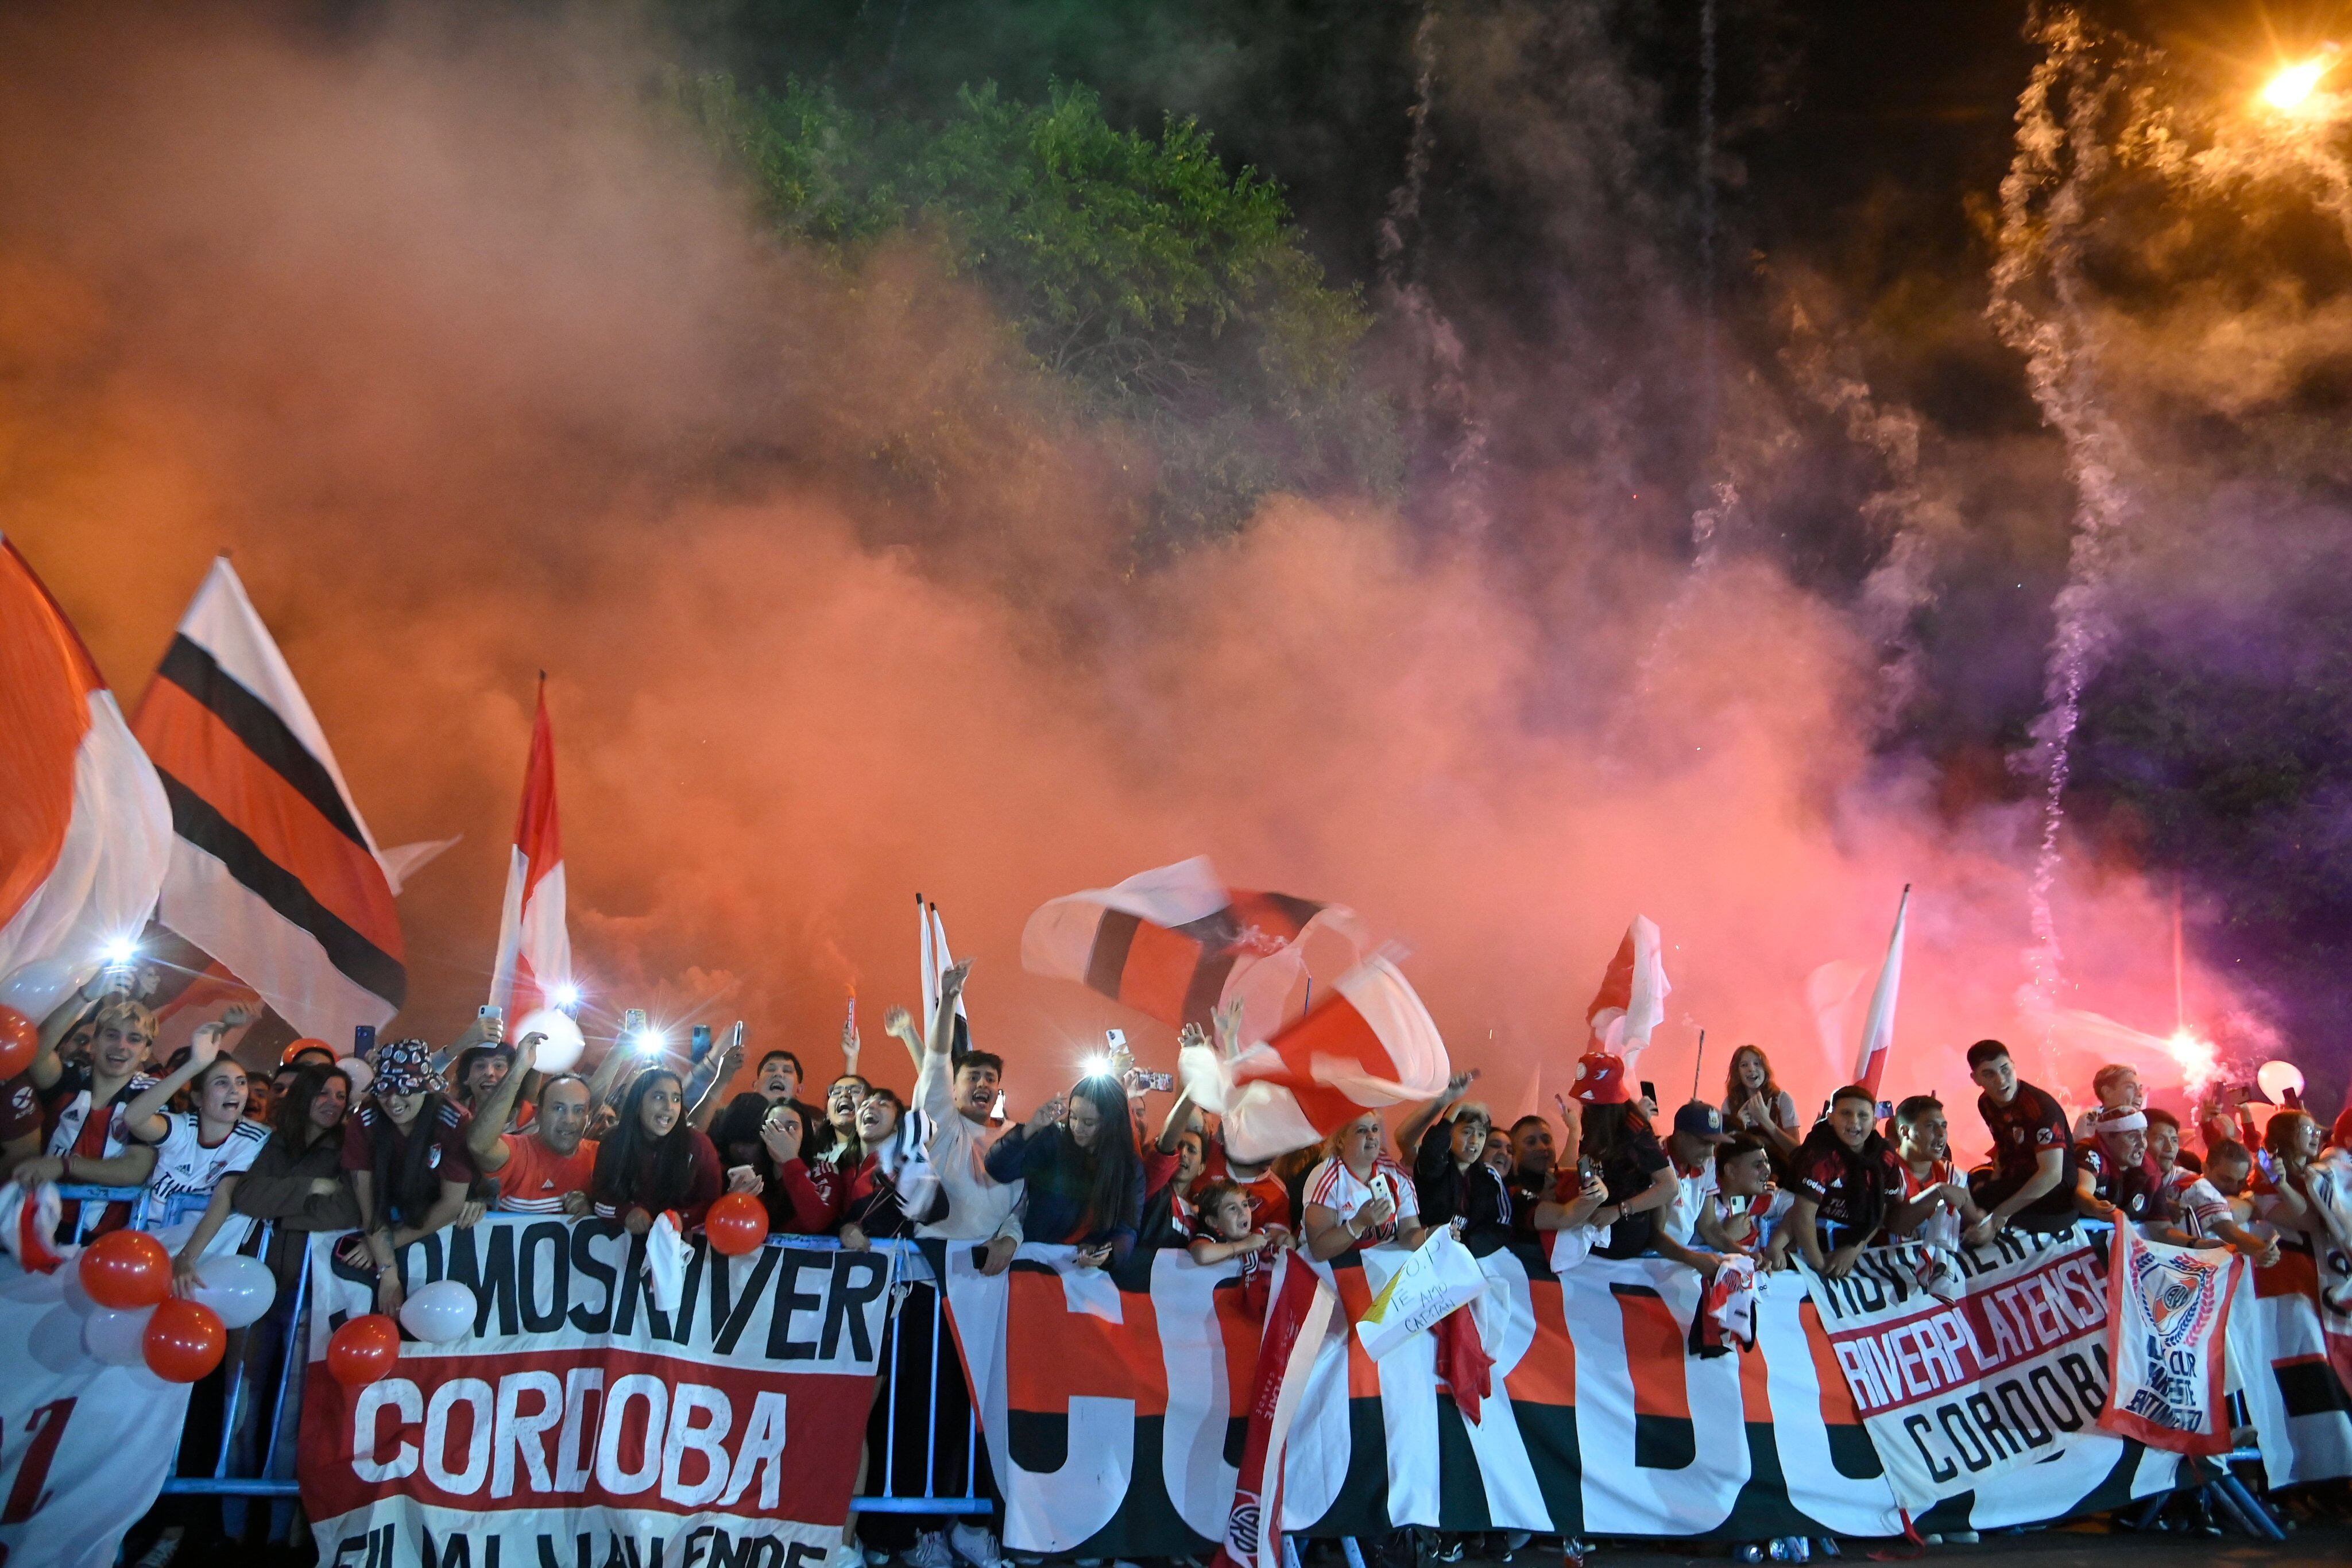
x=479 y=369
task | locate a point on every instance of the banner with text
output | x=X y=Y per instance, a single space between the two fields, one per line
x=1985 y=1388
x=1113 y=1406
x=579 y=1422
x=2168 y=1325
x=2288 y=1361
x=84 y=1446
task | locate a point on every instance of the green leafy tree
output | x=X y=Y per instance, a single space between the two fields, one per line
x=1163 y=290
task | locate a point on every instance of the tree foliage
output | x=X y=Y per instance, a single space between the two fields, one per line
x=1162 y=289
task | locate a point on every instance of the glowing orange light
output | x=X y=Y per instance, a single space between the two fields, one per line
x=2291 y=90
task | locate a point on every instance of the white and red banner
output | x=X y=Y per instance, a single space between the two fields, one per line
x=1116 y=1410
x=2167 y=1322
x=533 y=968
x=578 y=1410
x=87 y=832
x=84 y=1446
x=1996 y=1393
x=1631 y=1002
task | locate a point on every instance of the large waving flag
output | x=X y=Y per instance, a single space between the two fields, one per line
x=1631 y=1002
x=1369 y=1043
x=1878 y=1029
x=273 y=873
x=85 y=831
x=534 y=962
x=1174 y=943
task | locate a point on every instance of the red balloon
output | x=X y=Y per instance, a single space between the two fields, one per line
x=183 y=1340
x=126 y=1268
x=20 y=1037
x=364 y=1350
x=736 y=1223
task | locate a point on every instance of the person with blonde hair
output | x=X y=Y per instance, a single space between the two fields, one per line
x=1359 y=1196
x=87 y=1105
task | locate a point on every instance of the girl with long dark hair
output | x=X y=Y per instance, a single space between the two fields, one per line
x=653 y=1159
x=1085 y=1180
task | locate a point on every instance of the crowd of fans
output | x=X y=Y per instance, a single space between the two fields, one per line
x=435 y=1139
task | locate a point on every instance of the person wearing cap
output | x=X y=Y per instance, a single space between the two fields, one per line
x=1698 y=1133
x=2112 y=1181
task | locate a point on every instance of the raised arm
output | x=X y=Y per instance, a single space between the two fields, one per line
x=64 y=1019
x=486 y=1030
x=486 y=1135
x=604 y=1088
x=144 y=1115
x=900 y=1025
x=716 y=1068
x=1409 y=1136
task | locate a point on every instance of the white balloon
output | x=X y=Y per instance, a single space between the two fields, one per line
x=360 y=1074
x=117 y=1337
x=440 y=1311
x=35 y=988
x=239 y=1288
x=2276 y=1078
x=560 y=1051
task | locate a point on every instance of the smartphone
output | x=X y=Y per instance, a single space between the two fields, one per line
x=1113 y=1039
x=121 y=977
x=1649 y=1092
x=701 y=1046
x=362 y=1040
x=632 y=1024
x=1886 y=1109
x=491 y=1010
x=1162 y=1083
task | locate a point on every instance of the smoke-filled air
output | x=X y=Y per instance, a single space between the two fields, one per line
x=1707 y=564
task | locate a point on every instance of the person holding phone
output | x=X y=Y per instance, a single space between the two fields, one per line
x=1085 y=1180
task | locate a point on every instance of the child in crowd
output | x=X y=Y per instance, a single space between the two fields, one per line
x=1743 y=1214
x=1224 y=1233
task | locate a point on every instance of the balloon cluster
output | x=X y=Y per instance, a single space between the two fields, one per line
x=127 y=1275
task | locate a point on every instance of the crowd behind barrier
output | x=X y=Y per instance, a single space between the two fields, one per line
x=1373 y=1300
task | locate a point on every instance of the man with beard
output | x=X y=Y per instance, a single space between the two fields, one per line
x=545 y=1169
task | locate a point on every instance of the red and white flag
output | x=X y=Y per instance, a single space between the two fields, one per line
x=272 y=871
x=85 y=831
x=534 y=963
x=1369 y=1043
x=1878 y=1028
x=931 y=937
x=1632 y=1000
x=1174 y=943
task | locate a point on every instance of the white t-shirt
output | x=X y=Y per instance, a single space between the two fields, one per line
x=1691 y=1191
x=1335 y=1186
x=185 y=1166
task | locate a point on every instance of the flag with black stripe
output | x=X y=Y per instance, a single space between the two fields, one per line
x=1174 y=942
x=273 y=873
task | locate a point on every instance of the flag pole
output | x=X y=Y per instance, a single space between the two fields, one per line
x=1698 y=1062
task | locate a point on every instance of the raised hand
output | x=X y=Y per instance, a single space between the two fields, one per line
x=899 y=1024
x=1191 y=1035
x=951 y=981
x=1048 y=1113
x=783 y=1142
x=1458 y=1085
